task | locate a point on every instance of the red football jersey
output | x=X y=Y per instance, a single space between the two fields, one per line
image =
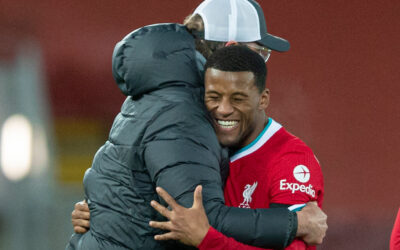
x=276 y=167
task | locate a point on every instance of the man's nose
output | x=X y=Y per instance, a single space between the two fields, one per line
x=225 y=108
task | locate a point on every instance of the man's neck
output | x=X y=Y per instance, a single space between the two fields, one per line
x=260 y=131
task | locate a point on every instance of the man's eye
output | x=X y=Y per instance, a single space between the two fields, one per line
x=212 y=98
x=238 y=99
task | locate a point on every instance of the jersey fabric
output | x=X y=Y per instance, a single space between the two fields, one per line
x=276 y=168
x=395 y=236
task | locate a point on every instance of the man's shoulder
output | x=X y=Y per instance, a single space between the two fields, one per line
x=295 y=172
x=181 y=113
x=290 y=153
x=286 y=142
x=157 y=27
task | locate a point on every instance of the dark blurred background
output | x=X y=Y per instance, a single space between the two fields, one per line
x=337 y=89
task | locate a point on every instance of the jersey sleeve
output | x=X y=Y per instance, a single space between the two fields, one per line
x=298 y=244
x=217 y=241
x=296 y=178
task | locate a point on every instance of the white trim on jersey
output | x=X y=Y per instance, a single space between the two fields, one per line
x=269 y=130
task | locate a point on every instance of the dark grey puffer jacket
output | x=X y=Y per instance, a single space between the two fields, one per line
x=163 y=137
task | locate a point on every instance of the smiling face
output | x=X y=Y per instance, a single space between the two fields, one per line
x=236 y=105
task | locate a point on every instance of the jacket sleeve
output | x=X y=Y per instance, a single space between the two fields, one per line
x=181 y=152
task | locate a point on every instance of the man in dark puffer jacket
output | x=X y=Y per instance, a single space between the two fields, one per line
x=162 y=137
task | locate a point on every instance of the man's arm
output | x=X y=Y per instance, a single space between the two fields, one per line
x=190 y=225
x=240 y=223
x=297 y=178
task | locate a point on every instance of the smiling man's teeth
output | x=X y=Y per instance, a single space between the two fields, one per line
x=227 y=124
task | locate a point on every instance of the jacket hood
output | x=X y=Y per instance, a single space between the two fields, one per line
x=157 y=56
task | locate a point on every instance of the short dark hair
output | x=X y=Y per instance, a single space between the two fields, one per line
x=239 y=58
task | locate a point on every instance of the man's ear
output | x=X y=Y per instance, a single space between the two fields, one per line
x=230 y=43
x=264 y=100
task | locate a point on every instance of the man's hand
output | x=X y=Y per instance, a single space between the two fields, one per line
x=188 y=225
x=311 y=224
x=80 y=217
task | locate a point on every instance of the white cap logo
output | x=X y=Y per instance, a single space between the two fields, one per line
x=301 y=173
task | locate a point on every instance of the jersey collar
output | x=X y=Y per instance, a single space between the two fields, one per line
x=270 y=129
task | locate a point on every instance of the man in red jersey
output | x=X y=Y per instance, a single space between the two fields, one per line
x=269 y=167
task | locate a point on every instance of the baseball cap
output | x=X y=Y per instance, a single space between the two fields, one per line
x=237 y=20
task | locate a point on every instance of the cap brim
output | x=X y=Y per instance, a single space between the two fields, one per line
x=275 y=43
